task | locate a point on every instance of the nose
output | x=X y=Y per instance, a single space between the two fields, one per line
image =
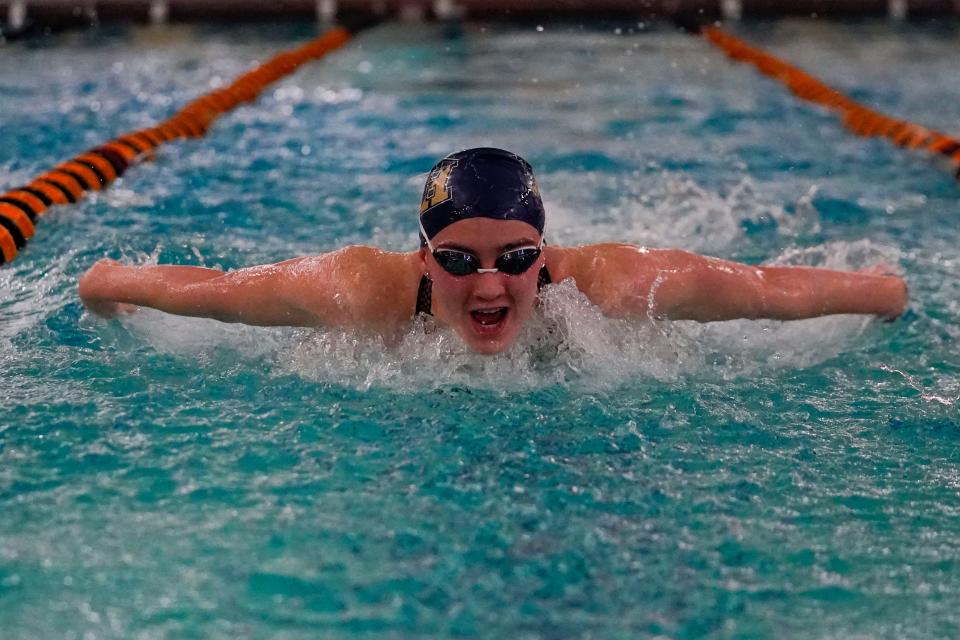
x=489 y=286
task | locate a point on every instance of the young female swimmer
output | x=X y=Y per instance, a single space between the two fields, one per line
x=480 y=266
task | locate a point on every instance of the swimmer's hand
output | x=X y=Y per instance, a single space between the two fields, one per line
x=94 y=287
x=896 y=293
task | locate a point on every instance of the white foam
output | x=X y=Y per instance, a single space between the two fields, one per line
x=560 y=345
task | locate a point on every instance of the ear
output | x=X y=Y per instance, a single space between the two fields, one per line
x=423 y=260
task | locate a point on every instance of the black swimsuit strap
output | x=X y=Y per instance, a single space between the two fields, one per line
x=543 y=278
x=424 y=295
x=425 y=290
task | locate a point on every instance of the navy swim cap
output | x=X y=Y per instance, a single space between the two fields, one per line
x=480 y=183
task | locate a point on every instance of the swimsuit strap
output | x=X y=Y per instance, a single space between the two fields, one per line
x=543 y=278
x=424 y=295
x=425 y=290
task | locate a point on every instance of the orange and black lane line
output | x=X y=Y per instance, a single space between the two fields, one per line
x=176 y=129
x=220 y=101
x=236 y=95
x=138 y=142
x=25 y=201
x=199 y=114
x=189 y=124
x=126 y=153
x=147 y=139
x=8 y=245
x=161 y=133
x=99 y=165
x=17 y=224
x=65 y=182
x=113 y=157
x=945 y=145
x=874 y=122
x=88 y=179
x=214 y=104
x=165 y=132
x=154 y=135
x=52 y=191
x=96 y=168
x=893 y=131
x=41 y=195
x=133 y=147
x=921 y=137
x=173 y=130
x=855 y=116
x=137 y=147
x=245 y=90
x=904 y=135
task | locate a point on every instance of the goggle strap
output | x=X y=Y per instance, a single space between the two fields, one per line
x=426 y=238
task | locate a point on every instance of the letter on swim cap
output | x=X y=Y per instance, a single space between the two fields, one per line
x=436 y=190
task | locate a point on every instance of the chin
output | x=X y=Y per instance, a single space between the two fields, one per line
x=489 y=342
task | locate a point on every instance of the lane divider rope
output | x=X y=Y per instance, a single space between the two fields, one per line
x=96 y=168
x=856 y=117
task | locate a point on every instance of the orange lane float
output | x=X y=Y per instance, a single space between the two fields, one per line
x=27 y=201
x=16 y=223
x=48 y=190
x=67 y=183
x=856 y=117
x=96 y=168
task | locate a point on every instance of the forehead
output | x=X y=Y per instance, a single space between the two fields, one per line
x=480 y=233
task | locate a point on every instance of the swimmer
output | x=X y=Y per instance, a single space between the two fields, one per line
x=481 y=263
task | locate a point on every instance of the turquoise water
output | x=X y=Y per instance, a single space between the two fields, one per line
x=164 y=477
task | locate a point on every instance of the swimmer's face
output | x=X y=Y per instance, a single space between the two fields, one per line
x=487 y=310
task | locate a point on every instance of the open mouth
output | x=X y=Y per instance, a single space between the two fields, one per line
x=489 y=320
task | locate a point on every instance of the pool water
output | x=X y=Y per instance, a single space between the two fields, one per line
x=164 y=477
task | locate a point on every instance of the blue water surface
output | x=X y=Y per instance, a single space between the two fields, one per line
x=165 y=477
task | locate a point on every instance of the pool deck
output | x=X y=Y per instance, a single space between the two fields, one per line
x=14 y=14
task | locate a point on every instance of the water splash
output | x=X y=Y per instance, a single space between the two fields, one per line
x=673 y=210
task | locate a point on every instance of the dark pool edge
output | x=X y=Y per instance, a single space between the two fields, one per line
x=25 y=17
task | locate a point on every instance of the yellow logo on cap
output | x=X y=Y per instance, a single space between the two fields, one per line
x=534 y=187
x=437 y=190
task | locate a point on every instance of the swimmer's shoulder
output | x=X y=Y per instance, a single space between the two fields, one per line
x=371 y=287
x=608 y=273
x=591 y=261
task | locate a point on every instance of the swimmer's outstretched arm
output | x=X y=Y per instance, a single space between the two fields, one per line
x=707 y=289
x=332 y=289
x=680 y=285
x=253 y=296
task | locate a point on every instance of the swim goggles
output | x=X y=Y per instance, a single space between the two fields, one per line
x=460 y=263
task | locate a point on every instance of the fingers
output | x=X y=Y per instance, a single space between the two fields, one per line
x=101 y=309
x=108 y=309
